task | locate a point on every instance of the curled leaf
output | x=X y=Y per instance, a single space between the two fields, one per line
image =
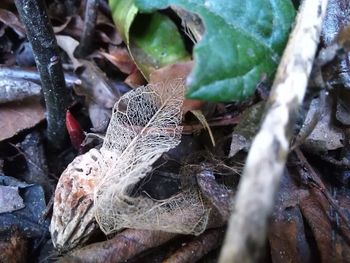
x=153 y=40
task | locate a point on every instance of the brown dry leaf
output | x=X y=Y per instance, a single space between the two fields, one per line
x=120 y=58
x=247 y=128
x=72 y=26
x=197 y=248
x=332 y=245
x=106 y=31
x=16 y=117
x=305 y=227
x=120 y=248
x=174 y=71
x=135 y=79
x=11 y=20
x=99 y=117
x=287 y=237
x=15 y=89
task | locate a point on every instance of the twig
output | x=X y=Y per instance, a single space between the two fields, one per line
x=254 y=202
x=17 y=89
x=40 y=34
x=32 y=75
x=90 y=17
x=70 y=78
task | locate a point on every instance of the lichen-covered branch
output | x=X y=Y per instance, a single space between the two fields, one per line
x=254 y=202
x=41 y=36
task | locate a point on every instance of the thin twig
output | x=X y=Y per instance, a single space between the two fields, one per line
x=90 y=17
x=41 y=36
x=32 y=75
x=255 y=200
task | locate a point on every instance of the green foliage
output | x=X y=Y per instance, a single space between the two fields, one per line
x=243 y=42
x=153 y=40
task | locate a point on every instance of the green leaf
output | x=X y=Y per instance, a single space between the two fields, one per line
x=243 y=42
x=153 y=40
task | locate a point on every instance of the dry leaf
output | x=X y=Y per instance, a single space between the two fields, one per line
x=135 y=79
x=144 y=125
x=69 y=44
x=179 y=70
x=120 y=248
x=10 y=200
x=11 y=20
x=16 y=117
x=96 y=86
x=120 y=58
x=72 y=26
x=324 y=136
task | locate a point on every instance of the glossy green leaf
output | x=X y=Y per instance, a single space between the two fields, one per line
x=243 y=42
x=153 y=39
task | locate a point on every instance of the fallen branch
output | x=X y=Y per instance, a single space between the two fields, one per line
x=254 y=202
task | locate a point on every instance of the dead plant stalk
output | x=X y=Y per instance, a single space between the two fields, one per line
x=266 y=160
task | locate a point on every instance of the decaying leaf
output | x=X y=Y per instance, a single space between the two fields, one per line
x=27 y=114
x=11 y=20
x=120 y=58
x=120 y=248
x=178 y=70
x=10 y=200
x=324 y=136
x=245 y=131
x=197 y=248
x=153 y=40
x=144 y=125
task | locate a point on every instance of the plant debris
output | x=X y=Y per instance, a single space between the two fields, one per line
x=148 y=174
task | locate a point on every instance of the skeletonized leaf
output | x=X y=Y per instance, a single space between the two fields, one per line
x=98 y=184
x=144 y=125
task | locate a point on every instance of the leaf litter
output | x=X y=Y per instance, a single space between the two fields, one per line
x=188 y=189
